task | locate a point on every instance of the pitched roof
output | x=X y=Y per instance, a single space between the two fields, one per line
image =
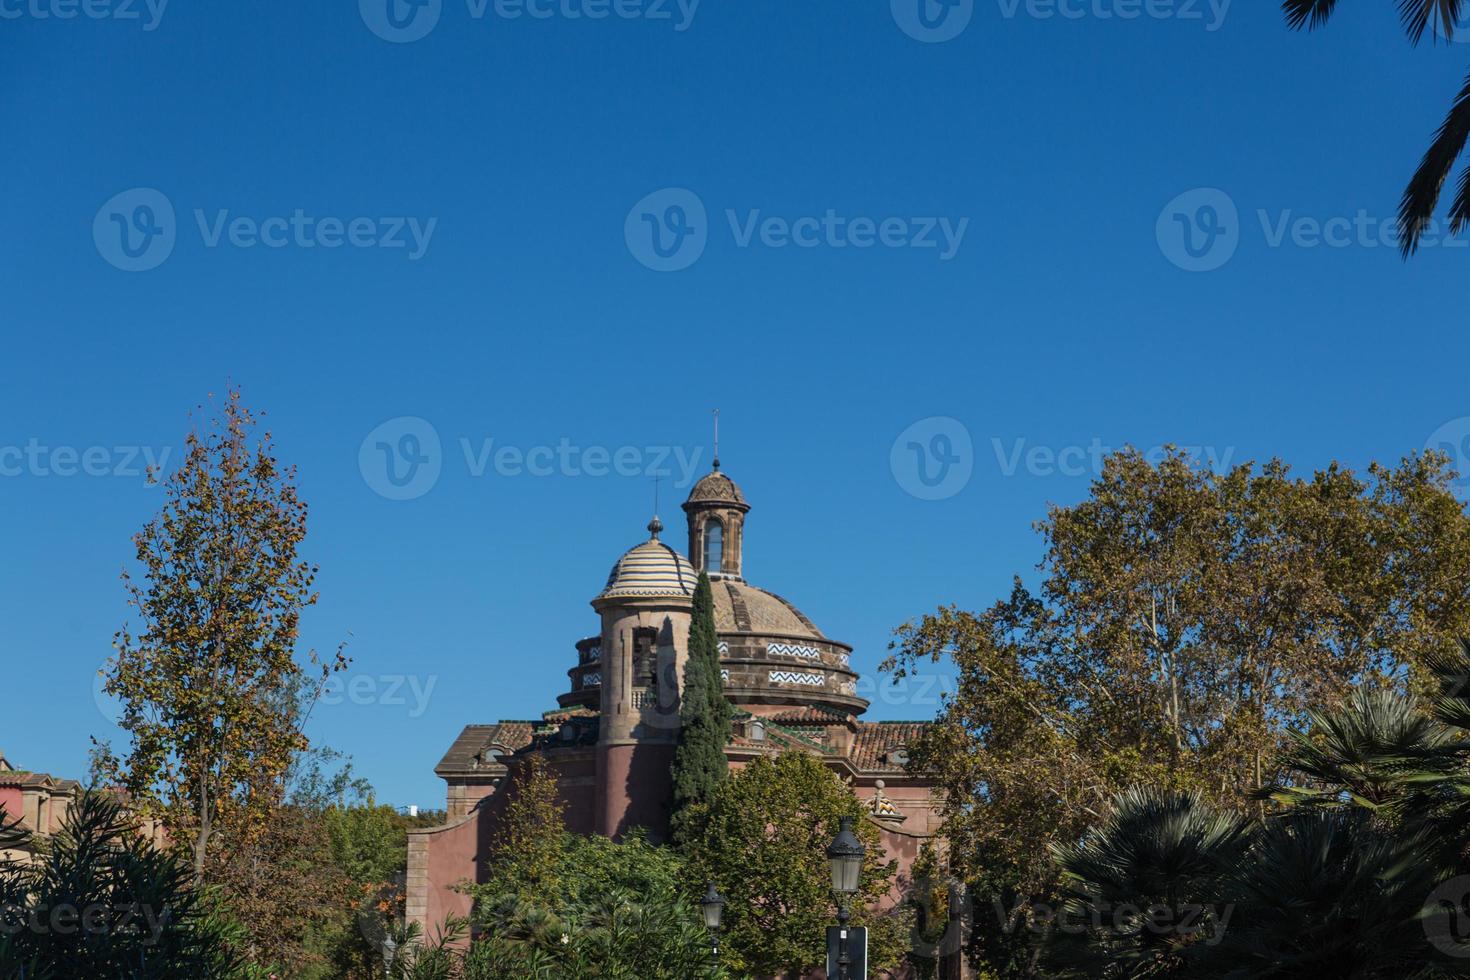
x=877 y=741
x=460 y=758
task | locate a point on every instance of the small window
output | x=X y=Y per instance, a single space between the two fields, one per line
x=645 y=657
x=714 y=546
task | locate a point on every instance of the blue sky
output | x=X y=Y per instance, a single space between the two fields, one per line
x=800 y=162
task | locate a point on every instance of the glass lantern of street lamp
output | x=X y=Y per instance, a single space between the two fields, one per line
x=845 y=854
x=713 y=907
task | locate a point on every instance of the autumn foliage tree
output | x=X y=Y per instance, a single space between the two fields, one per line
x=1184 y=621
x=209 y=680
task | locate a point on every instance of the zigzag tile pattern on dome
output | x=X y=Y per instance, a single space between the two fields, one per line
x=651 y=570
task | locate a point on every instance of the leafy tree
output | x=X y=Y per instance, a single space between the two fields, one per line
x=1416 y=208
x=1184 y=621
x=101 y=901
x=704 y=715
x=619 y=910
x=762 y=839
x=210 y=685
x=556 y=904
x=526 y=853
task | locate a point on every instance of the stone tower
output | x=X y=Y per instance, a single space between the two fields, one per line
x=716 y=511
x=645 y=609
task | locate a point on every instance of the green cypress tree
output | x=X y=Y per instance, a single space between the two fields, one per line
x=704 y=714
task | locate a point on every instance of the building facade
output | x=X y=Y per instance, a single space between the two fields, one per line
x=611 y=739
x=37 y=802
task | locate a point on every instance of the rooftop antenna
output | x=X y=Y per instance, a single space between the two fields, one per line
x=717 y=438
x=655 y=525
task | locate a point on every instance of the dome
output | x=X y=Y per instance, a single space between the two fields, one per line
x=651 y=570
x=743 y=608
x=715 y=487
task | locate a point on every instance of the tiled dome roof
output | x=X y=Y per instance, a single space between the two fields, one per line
x=715 y=486
x=743 y=608
x=651 y=570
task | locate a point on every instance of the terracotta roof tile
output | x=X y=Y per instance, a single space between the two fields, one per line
x=512 y=735
x=809 y=715
x=877 y=741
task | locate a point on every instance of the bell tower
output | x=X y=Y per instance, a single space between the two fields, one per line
x=716 y=512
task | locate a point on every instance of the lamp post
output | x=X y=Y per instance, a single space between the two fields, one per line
x=713 y=907
x=845 y=854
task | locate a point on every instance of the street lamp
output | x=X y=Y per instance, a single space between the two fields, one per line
x=845 y=854
x=713 y=907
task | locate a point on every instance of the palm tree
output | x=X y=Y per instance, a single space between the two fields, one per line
x=101 y=901
x=1377 y=752
x=1328 y=893
x=1345 y=878
x=1142 y=890
x=1416 y=207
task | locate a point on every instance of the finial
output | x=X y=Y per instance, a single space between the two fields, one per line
x=717 y=439
x=655 y=525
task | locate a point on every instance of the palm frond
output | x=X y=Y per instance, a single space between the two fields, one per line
x=1416 y=208
x=1310 y=14
x=1421 y=15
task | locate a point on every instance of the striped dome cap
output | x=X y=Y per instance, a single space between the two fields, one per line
x=651 y=570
